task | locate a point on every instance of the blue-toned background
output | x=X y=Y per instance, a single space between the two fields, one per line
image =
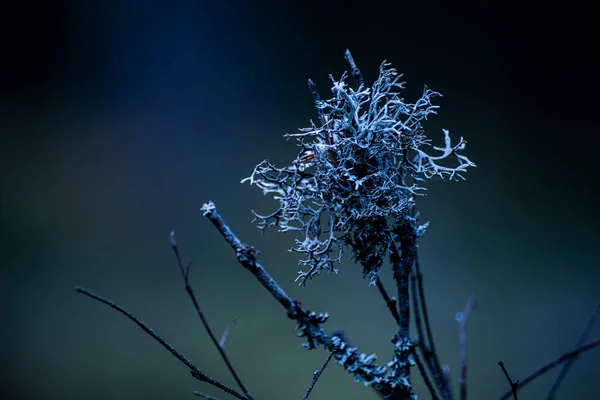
x=119 y=119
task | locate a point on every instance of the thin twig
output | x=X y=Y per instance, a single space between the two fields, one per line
x=435 y=362
x=424 y=374
x=190 y=291
x=196 y=373
x=422 y=345
x=324 y=120
x=317 y=99
x=514 y=385
x=356 y=75
x=461 y=318
x=246 y=257
x=391 y=305
x=447 y=377
x=316 y=376
x=205 y=396
x=308 y=322
x=582 y=338
x=226 y=332
x=565 y=357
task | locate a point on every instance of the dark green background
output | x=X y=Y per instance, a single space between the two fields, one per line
x=119 y=119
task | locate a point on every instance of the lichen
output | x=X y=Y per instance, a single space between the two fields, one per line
x=358 y=169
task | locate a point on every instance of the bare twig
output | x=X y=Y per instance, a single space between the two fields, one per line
x=514 y=385
x=580 y=342
x=196 y=373
x=424 y=374
x=226 y=332
x=190 y=291
x=316 y=376
x=461 y=318
x=358 y=364
x=447 y=377
x=391 y=304
x=565 y=357
x=356 y=75
x=422 y=345
x=317 y=99
x=433 y=361
x=246 y=257
x=205 y=396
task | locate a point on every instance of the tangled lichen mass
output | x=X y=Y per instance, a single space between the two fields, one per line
x=362 y=165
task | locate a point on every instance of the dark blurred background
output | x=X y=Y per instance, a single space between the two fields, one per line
x=119 y=119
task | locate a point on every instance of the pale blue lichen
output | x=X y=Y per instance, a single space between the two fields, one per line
x=357 y=170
